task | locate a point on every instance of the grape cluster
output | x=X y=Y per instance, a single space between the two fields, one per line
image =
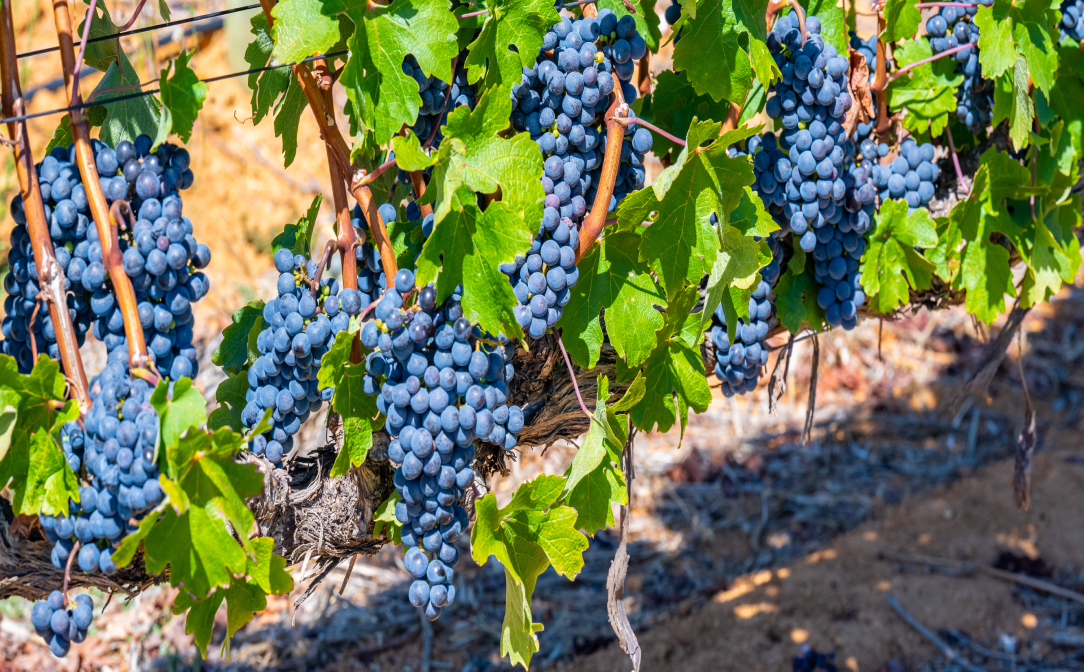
x=1071 y=20
x=61 y=623
x=441 y=384
x=437 y=99
x=911 y=175
x=66 y=209
x=953 y=27
x=739 y=359
x=117 y=448
x=300 y=326
x=560 y=102
x=160 y=255
x=801 y=175
x=837 y=260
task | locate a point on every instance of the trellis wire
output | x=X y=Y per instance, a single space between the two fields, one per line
x=135 y=31
x=149 y=92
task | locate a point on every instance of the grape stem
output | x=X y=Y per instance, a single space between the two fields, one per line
x=656 y=129
x=326 y=256
x=50 y=275
x=954 y=156
x=929 y=59
x=378 y=171
x=418 y=185
x=330 y=133
x=68 y=571
x=82 y=44
x=572 y=375
x=135 y=15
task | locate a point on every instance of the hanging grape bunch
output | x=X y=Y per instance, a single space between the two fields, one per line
x=66 y=209
x=442 y=385
x=951 y=28
x=739 y=359
x=561 y=103
x=1071 y=20
x=61 y=623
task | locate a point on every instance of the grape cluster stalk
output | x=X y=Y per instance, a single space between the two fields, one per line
x=561 y=102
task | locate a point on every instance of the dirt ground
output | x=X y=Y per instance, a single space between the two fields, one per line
x=836 y=599
x=746 y=545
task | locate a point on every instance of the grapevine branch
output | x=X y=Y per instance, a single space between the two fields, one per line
x=50 y=275
x=74 y=80
x=594 y=222
x=329 y=131
x=418 y=185
x=68 y=572
x=345 y=234
x=100 y=211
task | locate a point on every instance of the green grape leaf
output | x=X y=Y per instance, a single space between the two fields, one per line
x=466 y=248
x=1066 y=96
x=230 y=394
x=33 y=399
x=270 y=85
x=243 y=597
x=594 y=479
x=382 y=96
x=902 y=20
x=797 y=303
x=360 y=418
x=233 y=353
x=726 y=76
x=997 y=52
x=612 y=279
x=681 y=245
x=178 y=411
x=1036 y=45
x=99 y=55
x=765 y=68
x=409 y=154
x=384 y=519
x=301 y=30
x=509 y=39
x=183 y=96
x=125 y=119
x=193 y=532
x=298 y=237
x=1013 y=103
x=891 y=266
x=673 y=105
x=485 y=161
x=735 y=273
x=50 y=482
x=287 y=117
x=674 y=372
x=526 y=536
x=929 y=92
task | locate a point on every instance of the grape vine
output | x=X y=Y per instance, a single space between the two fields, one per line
x=533 y=200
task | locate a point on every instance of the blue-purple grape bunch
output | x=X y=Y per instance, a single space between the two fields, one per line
x=300 y=326
x=68 y=213
x=561 y=102
x=1071 y=20
x=61 y=623
x=739 y=359
x=954 y=27
x=442 y=384
x=160 y=254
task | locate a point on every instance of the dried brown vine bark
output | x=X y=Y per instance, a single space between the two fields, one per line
x=106 y=226
x=50 y=276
